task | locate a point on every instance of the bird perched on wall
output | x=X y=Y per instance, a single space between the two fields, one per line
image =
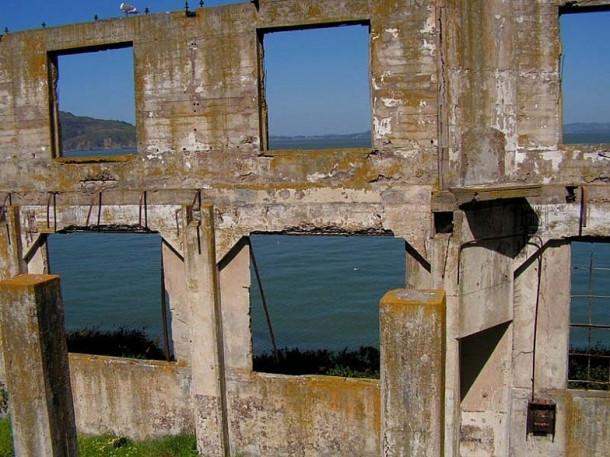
x=128 y=9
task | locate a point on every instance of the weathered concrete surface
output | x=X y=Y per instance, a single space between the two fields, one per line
x=36 y=363
x=207 y=358
x=139 y=399
x=303 y=416
x=466 y=120
x=412 y=343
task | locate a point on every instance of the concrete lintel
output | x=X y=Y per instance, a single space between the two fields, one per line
x=495 y=192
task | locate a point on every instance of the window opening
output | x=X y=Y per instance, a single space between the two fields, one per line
x=93 y=101
x=316 y=88
x=585 y=69
x=589 y=355
x=113 y=293
x=322 y=295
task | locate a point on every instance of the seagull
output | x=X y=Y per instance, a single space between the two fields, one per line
x=128 y=9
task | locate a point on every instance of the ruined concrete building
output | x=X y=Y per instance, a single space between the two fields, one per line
x=467 y=166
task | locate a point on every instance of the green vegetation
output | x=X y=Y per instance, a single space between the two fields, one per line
x=112 y=446
x=6 y=438
x=118 y=343
x=80 y=133
x=589 y=368
x=361 y=363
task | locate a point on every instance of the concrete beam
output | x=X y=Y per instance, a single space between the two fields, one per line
x=36 y=362
x=412 y=372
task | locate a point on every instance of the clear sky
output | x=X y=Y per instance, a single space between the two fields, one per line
x=586 y=67
x=317 y=80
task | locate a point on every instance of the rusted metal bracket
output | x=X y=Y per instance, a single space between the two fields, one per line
x=99 y=209
x=52 y=199
x=3 y=216
x=584 y=203
x=143 y=205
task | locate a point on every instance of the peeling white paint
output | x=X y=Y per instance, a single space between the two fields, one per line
x=430 y=47
x=429 y=26
x=423 y=103
x=315 y=176
x=555 y=157
x=391 y=102
x=188 y=165
x=383 y=126
x=393 y=32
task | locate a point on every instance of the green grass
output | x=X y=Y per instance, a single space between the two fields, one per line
x=112 y=446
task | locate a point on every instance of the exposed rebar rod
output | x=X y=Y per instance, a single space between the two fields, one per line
x=276 y=354
x=164 y=312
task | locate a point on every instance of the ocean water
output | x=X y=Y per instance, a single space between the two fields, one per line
x=590 y=292
x=321 y=291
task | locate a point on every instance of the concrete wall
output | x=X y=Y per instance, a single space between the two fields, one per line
x=466 y=123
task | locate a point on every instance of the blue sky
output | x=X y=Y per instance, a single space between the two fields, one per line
x=586 y=67
x=307 y=71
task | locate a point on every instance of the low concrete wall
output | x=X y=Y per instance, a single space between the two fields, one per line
x=587 y=423
x=268 y=414
x=137 y=399
x=303 y=416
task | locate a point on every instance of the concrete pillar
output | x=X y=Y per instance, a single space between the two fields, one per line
x=36 y=361
x=412 y=372
x=207 y=363
x=11 y=263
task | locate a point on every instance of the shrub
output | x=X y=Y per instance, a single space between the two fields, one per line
x=360 y=363
x=589 y=368
x=119 y=343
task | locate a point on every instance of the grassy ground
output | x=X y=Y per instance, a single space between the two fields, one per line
x=111 y=446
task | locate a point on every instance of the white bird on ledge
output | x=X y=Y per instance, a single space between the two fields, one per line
x=128 y=9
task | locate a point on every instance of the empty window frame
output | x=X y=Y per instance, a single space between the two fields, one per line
x=589 y=355
x=316 y=88
x=585 y=72
x=322 y=296
x=93 y=101
x=112 y=291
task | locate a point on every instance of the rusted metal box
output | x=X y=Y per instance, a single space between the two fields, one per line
x=541 y=416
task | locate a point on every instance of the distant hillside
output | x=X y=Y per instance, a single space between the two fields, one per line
x=591 y=132
x=587 y=127
x=347 y=136
x=80 y=133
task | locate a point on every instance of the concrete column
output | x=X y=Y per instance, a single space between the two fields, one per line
x=36 y=361
x=412 y=372
x=11 y=263
x=207 y=363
